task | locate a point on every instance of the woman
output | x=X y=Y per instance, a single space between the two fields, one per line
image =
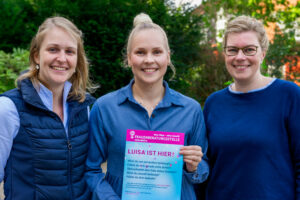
x=44 y=122
x=253 y=125
x=147 y=103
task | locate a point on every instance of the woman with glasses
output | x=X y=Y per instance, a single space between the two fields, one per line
x=253 y=125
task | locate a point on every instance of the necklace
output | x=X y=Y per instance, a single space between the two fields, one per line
x=150 y=107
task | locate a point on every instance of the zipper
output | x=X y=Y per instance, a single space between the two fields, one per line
x=69 y=145
x=71 y=114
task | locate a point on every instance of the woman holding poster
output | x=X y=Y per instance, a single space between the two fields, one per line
x=146 y=105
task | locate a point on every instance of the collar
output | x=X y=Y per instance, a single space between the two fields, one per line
x=42 y=96
x=251 y=91
x=47 y=96
x=171 y=97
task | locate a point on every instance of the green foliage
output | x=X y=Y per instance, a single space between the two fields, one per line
x=107 y=23
x=208 y=77
x=17 y=27
x=283 y=47
x=280 y=52
x=11 y=64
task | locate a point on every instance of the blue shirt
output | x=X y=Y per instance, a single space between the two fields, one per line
x=10 y=121
x=118 y=111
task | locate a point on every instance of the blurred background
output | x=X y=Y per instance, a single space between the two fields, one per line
x=194 y=29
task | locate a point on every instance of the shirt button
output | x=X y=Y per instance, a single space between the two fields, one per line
x=153 y=115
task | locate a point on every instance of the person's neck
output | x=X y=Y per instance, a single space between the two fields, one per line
x=148 y=96
x=245 y=86
x=57 y=98
x=58 y=102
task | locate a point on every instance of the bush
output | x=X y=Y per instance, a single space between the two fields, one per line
x=106 y=25
x=11 y=64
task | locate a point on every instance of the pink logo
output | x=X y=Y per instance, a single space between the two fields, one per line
x=132 y=133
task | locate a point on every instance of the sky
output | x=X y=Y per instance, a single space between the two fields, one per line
x=193 y=2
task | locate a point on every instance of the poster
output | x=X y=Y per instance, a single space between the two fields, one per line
x=152 y=166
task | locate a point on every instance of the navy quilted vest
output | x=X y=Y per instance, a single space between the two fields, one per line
x=44 y=164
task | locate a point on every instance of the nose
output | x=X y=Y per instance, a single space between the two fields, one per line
x=149 y=58
x=240 y=55
x=62 y=56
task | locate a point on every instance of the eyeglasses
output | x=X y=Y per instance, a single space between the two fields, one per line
x=247 y=51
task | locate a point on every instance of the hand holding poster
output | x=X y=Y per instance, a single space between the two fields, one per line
x=153 y=166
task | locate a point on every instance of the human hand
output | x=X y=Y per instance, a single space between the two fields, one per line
x=192 y=156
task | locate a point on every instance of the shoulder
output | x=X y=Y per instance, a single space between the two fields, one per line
x=89 y=99
x=184 y=100
x=12 y=93
x=287 y=86
x=6 y=102
x=286 y=90
x=109 y=99
x=215 y=100
x=7 y=107
x=11 y=98
x=218 y=95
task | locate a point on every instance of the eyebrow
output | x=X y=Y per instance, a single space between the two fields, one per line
x=244 y=46
x=57 y=45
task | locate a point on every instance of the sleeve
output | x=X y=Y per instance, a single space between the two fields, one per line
x=98 y=145
x=9 y=123
x=294 y=134
x=88 y=111
x=199 y=137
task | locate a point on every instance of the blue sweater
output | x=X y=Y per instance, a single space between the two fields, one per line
x=43 y=162
x=118 y=111
x=254 y=143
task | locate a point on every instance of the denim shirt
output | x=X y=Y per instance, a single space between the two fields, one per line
x=114 y=113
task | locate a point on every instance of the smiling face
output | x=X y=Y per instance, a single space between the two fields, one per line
x=149 y=57
x=57 y=58
x=244 y=69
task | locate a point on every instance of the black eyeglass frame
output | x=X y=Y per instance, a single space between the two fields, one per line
x=243 y=50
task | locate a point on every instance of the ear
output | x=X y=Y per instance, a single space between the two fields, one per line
x=263 y=55
x=129 y=60
x=169 y=57
x=36 y=58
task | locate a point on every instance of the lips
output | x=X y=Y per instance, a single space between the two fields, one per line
x=59 y=68
x=149 y=70
x=240 y=67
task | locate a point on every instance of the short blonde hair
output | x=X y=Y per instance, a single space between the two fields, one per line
x=245 y=23
x=80 y=79
x=142 y=22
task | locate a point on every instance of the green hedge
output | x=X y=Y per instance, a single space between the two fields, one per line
x=11 y=65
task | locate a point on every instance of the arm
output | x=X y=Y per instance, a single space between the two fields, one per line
x=98 y=143
x=197 y=168
x=88 y=111
x=293 y=129
x=9 y=123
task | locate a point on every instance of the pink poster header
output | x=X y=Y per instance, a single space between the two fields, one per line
x=155 y=137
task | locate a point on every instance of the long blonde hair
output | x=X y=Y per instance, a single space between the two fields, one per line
x=80 y=79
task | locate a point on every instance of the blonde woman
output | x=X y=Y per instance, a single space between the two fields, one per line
x=44 y=122
x=146 y=103
x=253 y=125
